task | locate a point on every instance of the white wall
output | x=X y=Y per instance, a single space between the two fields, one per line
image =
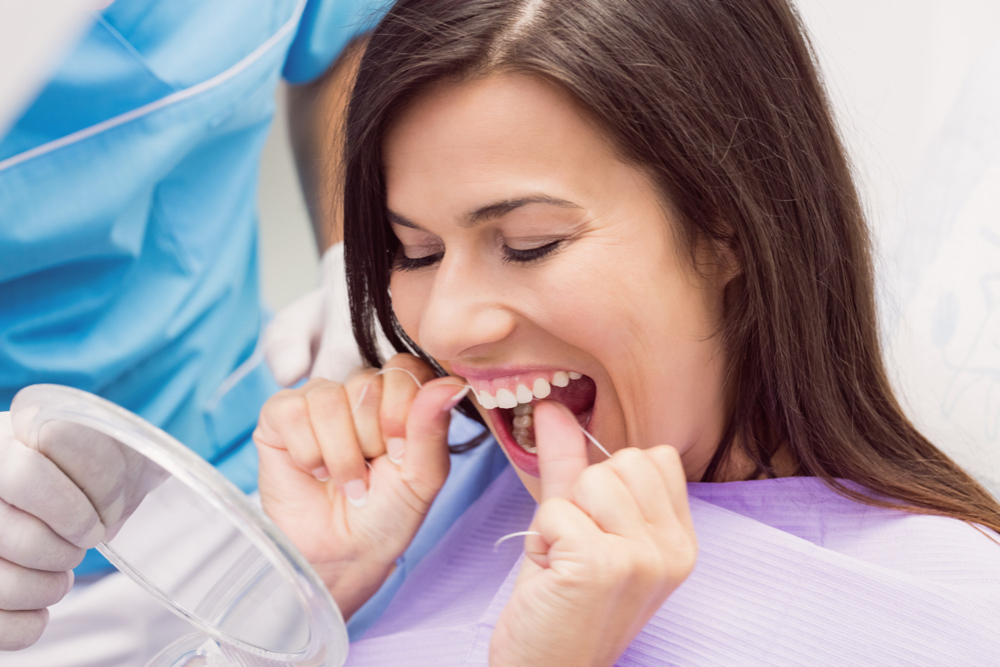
x=894 y=69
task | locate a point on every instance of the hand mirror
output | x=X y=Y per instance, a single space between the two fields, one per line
x=250 y=596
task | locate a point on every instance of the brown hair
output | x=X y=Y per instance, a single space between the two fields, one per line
x=720 y=101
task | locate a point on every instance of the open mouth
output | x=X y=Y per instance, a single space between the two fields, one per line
x=511 y=410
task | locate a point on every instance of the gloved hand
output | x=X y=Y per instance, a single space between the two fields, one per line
x=312 y=336
x=60 y=495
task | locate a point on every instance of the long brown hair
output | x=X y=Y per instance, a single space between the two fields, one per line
x=721 y=102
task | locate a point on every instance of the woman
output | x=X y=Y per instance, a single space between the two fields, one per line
x=633 y=224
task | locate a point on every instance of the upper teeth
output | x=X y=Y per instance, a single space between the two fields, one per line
x=505 y=398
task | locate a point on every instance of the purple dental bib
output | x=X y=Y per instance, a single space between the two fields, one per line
x=788 y=573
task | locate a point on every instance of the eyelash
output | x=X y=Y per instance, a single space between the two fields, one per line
x=511 y=255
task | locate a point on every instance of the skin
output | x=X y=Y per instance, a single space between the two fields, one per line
x=618 y=300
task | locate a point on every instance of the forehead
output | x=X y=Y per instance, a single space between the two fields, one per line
x=494 y=137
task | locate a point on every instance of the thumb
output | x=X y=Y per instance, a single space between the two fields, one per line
x=562 y=451
x=425 y=458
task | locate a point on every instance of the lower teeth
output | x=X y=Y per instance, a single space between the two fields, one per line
x=523 y=430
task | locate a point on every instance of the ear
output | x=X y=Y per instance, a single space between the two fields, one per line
x=717 y=258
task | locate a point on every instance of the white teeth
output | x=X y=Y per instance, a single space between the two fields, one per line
x=526 y=443
x=524 y=409
x=541 y=388
x=523 y=421
x=486 y=399
x=522 y=396
x=506 y=399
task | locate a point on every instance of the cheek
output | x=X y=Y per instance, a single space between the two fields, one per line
x=410 y=291
x=601 y=299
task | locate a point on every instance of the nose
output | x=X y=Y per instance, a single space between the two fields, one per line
x=465 y=315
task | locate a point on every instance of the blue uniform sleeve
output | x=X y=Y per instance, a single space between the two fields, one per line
x=326 y=28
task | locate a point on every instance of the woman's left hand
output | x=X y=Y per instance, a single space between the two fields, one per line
x=616 y=539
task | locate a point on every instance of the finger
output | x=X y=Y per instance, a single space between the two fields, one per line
x=94 y=461
x=563 y=530
x=23 y=589
x=330 y=416
x=562 y=450
x=425 y=457
x=642 y=477
x=33 y=483
x=21 y=629
x=284 y=485
x=27 y=541
x=605 y=498
x=398 y=392
x=365 y=392
x=291 y=337
x=284 y=424
x=671 y=469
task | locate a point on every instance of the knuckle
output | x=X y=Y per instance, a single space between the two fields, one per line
x=592 y=475
x=329 y=395
x=315 y=383
x=289 y=408
x=628 y=457
x=666 y=457
x=365 y=378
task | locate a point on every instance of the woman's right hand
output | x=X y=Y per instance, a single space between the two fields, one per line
x=352 y=521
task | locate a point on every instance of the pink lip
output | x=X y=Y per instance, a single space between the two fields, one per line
x=493 y=372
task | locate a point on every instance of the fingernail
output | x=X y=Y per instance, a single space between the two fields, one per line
x=456 y=399
x=394 y=449
x=72 y=580
x=322 y=474
x=356 y=492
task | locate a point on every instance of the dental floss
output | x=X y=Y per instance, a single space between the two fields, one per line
x=364 y=390
x=594 y=440
x=496 y=545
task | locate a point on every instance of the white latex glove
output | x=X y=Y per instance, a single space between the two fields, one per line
x=312 y=335
x=59 y=496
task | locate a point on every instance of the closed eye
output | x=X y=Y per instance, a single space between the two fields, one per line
x=514 y=255
x=529 y=255
x=404 y=263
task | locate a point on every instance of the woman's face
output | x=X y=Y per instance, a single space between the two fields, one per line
x=535 y=263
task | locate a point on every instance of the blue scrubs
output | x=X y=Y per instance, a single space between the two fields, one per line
x=128 y=211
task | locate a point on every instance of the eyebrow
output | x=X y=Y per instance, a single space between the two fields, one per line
x=491 y=211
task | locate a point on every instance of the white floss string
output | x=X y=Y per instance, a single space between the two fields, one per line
x=594 y=440
x=523 y=533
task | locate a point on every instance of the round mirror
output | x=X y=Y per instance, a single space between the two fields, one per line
x=236 y=578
